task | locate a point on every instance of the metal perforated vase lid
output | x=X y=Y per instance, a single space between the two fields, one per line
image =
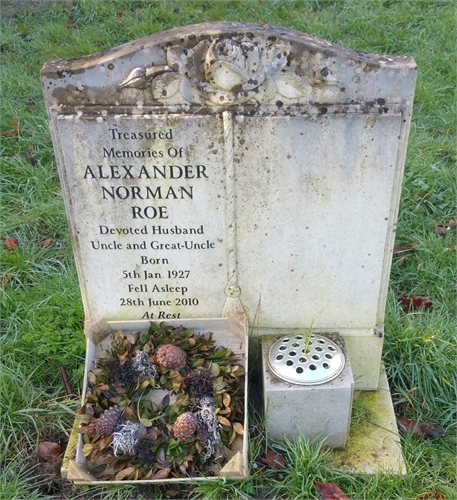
x=306 y=359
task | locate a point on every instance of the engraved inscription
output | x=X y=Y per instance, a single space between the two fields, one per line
x=150 y=200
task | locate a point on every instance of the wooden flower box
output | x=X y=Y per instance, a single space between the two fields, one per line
x=230 y=332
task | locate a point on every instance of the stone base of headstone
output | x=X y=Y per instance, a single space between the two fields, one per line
x=320 y=411
x=374 y=443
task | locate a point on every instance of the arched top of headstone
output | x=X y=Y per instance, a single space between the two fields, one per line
x=212 y=66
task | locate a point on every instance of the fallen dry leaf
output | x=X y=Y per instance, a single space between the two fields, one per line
x=273 y=460
x=72 y=25
x=440 y=230
x=232 y=437
x=104 y=442
x=49 y=451
x=123 y=357
x=85 y=429
x=128 y=412
x=400 y=250
x=432 y=494
x=131 y=339
x=238 y=428
x=239 y=406
x=198 y=446
x=14 y=124
x=421 y=429
x=420 y=302
x=102 y=387
x=87 y=449
x=330 y=491
x=415 y=302
x=412 y=426
x=162 y=474
x=433 y=430
x=98 y=470
x=11 y=243
x=14 y=133
x=224 y=421
x=48 y=242
x=30 y=158
x=125 y=472
x=226 y=399
x=89 y=412
x=405 y=302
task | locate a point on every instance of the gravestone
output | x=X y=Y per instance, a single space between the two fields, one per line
x=234 y=167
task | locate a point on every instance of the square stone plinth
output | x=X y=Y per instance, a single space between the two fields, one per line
x=317 y=411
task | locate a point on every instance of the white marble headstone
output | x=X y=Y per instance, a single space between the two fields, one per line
x=232 y=165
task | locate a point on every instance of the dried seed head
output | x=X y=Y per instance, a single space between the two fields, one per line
x=121 y=375
x=107 y=422
x=185 y=426
x=171 y=357
x=132 y=371
x=144 y=450
x=199 y=382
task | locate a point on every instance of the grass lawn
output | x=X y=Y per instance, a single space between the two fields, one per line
x=42 y=315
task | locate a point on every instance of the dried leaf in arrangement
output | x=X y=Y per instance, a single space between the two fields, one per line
x=162 y=403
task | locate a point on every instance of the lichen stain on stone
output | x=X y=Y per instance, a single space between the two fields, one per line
x=59 y=74
x=367 y=68
x=358 y=453
x=85 y=95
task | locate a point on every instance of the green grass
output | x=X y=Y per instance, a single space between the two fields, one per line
x=42 y=317
x=19 y=481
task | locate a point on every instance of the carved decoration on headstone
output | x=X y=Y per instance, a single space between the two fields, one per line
x=227 y=72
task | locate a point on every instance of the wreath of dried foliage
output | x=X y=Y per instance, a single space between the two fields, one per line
x=140 y=437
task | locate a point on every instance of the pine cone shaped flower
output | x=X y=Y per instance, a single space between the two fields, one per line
x=171 y=357
x=107 y=422
x=185 y=426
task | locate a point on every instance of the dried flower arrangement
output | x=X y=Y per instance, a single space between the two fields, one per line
x=130 y=434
